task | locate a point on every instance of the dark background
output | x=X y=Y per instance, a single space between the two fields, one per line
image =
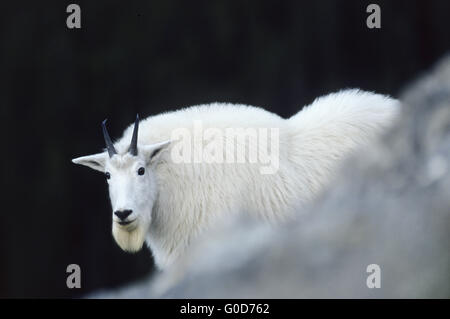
x=57 y=85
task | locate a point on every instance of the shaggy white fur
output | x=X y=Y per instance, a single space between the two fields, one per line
x=174 y=202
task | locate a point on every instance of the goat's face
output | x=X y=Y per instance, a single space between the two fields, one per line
x=132 y=189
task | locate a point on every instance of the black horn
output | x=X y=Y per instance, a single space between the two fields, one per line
x=109 y=143
x=133 y=145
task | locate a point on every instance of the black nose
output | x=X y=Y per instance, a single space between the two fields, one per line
x=122 y=214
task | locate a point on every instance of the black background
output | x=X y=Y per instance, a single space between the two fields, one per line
x=58 y=84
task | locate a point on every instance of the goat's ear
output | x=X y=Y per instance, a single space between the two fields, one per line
x=96 y=161
x=152 y=152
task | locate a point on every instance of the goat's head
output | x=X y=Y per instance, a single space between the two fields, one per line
x=132 y=186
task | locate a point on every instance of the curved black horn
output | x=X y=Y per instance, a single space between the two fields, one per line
x=133 y=145
x=109 y=143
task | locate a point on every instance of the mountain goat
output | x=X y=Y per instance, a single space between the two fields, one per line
x=186 y=169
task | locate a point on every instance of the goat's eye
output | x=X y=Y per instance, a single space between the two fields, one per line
x=141 y=171
x=108 y=175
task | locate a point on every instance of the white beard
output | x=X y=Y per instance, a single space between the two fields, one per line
x=130 y=239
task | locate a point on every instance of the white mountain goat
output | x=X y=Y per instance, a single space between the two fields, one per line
x=186 y=169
